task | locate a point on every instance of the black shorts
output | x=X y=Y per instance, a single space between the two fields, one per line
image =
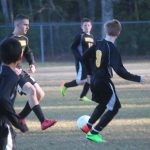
x=24 y=78
x=103 y=92
x=81 y=71
x=7 y=136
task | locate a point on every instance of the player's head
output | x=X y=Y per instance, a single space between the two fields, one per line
x=21 y=23
x=86 y=25
x=112 y=28
x=10 y=51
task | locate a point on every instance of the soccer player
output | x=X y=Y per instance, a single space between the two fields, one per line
x=81 y=44
x=105 y=57
x=11 y=55
x=27 y=85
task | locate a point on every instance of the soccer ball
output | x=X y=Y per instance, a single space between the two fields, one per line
x=82 y=120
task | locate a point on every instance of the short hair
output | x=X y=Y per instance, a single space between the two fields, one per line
x=112 y=27
x=86 y=20
x=10 y=51
x=20 y=17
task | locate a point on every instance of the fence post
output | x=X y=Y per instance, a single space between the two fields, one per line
x=51 y=40
x=42 y=44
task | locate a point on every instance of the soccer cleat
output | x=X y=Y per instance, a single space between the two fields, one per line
x=85 y=99
x=63 y=91
x=94 y=137
x=47 y=123
x=85 y=128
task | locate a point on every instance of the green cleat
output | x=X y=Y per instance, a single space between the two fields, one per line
x=63 y=91
x=95 y=137
x=85 y=99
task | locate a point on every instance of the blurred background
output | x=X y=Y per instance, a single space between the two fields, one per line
x=54 y=24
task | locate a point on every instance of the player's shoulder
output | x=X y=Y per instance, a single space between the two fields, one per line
x=5 y=70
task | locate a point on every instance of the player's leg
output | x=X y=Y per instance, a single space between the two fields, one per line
x=113 y=106
x=39 y=92
x=33 y=103
x=82 y=76
x=26 y=85
x=98 y=111
x=72 y=83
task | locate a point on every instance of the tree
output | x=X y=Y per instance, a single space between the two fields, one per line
x=5 y=11
x=91 y=9
x=107 y=11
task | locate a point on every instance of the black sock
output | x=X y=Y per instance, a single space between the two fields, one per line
x=85 y=89
x=89 y=125
x=26 y=111
x=71 y=84
x=38 y=112
x=94 y=131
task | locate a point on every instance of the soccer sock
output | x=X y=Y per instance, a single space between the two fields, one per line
x=71 y=84
x=38 y=112
x=85 y=89
x=99 y=110
x=26 y=111
x=106 y=118
x=89 y=125
x=94 y=131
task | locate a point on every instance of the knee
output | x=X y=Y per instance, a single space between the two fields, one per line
x=31 y=91
x=40 y=95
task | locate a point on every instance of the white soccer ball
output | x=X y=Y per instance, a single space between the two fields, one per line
x=81 y=121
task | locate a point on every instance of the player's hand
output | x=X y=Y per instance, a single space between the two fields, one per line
x=18 y=71
x=88 y=79
x=32 y=69
x=142 y=79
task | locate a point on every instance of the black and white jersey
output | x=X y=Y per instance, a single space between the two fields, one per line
x=27 y=53
x=105 y=56
x=8 y=83
x=81 y=44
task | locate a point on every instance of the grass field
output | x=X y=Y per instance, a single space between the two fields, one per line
x=130 y=130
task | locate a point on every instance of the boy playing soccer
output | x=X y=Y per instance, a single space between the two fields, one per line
x=11 y=54
x=106 y=57
x=27 y=85
x=82 y=42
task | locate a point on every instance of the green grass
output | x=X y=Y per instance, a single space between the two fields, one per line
x=130 y=129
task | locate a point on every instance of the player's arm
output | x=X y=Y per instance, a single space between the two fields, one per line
x=75 y=46
x=8 y=110
x=28 y=54
x=9 y=84
x=117 y=65
x=87 y=57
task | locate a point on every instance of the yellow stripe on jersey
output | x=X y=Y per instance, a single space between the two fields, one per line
x=88 y=39
x=23 y=42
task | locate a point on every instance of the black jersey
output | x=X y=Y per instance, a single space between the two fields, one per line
x=8 y=82
x=81 y=44
x=27 y=53
x=106 y=56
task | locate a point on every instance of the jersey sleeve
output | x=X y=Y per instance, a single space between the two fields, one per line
x=28 y=54
x=89 y=56
x=8 y=83
x=117 y=65
x=8 y=111
x=74 y=47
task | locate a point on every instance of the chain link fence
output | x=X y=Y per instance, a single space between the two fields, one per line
x=52 y=41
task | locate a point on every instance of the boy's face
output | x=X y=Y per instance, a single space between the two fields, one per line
x=86 y=27
x=23 y=26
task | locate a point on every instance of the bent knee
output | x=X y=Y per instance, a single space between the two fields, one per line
x=40 y=95
x=30 y=90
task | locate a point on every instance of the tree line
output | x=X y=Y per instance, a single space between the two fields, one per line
x=74 y=10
